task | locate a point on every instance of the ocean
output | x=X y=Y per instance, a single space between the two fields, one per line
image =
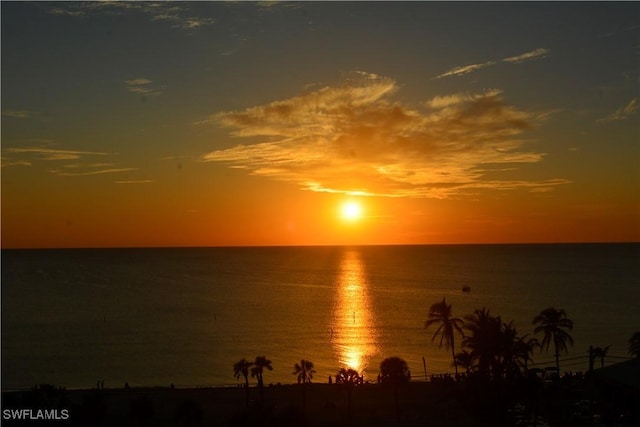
x=184 y=316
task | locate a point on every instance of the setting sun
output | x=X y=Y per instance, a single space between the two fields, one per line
x=351 y=211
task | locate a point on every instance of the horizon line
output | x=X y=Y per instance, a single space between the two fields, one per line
x=266 y=246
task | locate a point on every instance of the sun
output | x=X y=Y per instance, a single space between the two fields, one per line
x=351 y=211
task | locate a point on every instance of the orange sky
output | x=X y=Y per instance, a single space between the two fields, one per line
x=178 y=128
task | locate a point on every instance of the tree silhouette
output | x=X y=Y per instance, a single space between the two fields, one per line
x=507 y=351
x=440 y=314
x=495 y=347
x=484 y=340
x=348 y=378
x=525 y=348
x=241 y=368
x=394 y=371
x=601 y=353
x=634 y=345
x=304 y=372
x=466 y=360
x=259 y=365
x=555 y=326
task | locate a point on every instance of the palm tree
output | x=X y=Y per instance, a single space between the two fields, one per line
x=485 y=340
x=466 y=360
x=555 y=326
x=241 y=368
x=394 y=371
x=524 y=350
x=634 y=345
x=348 y=378
x=507 y=355
x=601 y=353
x=305 y=372
x=259 y=365
x=440 y=313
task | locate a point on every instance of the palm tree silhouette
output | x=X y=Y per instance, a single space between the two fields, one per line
x=305 y=372
x=395 y=371
x=634 y=345
x=348 y=378
x=440 y=313
x=485 y=340
x=525 y=347
x=601 y=353
x=554 y=324
x=496 y=348
x=241 y=368
x=259 y=365
x=508 y=351
x=466 y=360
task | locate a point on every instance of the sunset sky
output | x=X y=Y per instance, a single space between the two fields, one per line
x=240 y=123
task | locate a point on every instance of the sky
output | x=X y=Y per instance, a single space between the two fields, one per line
x=252 y=123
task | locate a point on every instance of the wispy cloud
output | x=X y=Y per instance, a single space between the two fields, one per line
x=17 y=114
x=30 y=156
x=534 y=54
x=43 y=153
x=141 y=86
x=466 y=69
x=353 y=139
x=67 y=12
x=90 y=172
x=177 y=14
x=621 y=113
x=8 y=162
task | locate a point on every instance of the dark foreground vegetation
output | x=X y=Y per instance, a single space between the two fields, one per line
x=570 y=401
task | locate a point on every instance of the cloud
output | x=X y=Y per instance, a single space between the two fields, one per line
x=458 y=71
x=458 y=98
x=90 y=172
x=621 y=113
x=353 y=139
x=8 y=162
x=534 y=54
x=177 y=14
x=43 y=153
x=141 y=85
x=28 y=156
x=466 y=69
x=17 y=114
x=137 y=82
x=66 y=12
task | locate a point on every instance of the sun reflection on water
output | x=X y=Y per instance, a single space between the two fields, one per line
x=353 y=332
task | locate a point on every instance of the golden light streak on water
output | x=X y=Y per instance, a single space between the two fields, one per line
x=353 y=330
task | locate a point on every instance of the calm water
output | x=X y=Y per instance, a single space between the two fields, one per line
x=184 y=316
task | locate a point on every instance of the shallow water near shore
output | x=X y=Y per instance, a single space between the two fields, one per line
x=185 y=316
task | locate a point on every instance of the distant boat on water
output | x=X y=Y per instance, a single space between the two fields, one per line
x=466 y=289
